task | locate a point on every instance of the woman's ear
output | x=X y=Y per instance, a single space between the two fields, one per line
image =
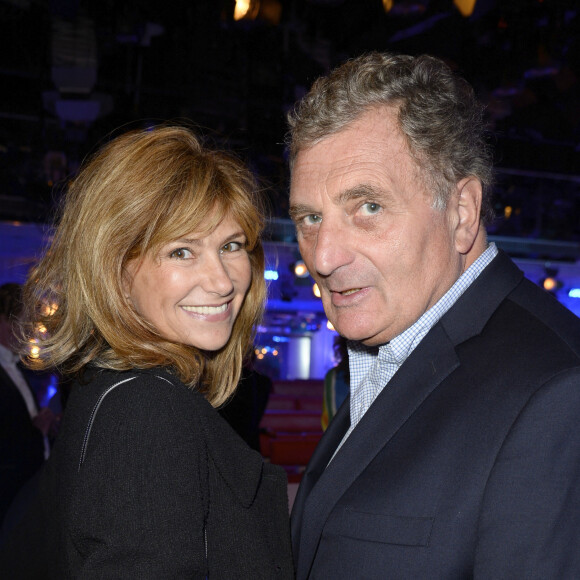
x=469 y=195
x=127 y=281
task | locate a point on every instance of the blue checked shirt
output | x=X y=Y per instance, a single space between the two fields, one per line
x=371 y=368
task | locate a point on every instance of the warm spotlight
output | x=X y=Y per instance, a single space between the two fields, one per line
x=33 y=349
x=316 y=290
x=246 y=9
x=300 y=269
x=49 y=309
x=551 y=283
x=466 y=7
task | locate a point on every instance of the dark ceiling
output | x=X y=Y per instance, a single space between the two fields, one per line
x=73 y=71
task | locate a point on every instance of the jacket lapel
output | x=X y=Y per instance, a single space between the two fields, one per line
x=317 y=464
x=432 y=361
x=239 y=466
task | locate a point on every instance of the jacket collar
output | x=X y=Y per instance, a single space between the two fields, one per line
x=238 y=465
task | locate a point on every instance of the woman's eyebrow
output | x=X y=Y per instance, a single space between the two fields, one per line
x=235 y=236
x=198 y=241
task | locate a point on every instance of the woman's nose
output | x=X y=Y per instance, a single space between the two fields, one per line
x=218 y=280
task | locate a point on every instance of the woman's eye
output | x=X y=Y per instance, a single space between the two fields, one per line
x=370 y=208
x=232 y=247
x=181 y=254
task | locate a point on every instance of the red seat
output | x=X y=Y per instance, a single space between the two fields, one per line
x=292 y=451
x=287 y=420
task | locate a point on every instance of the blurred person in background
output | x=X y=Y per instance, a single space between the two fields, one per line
x=336 y=383
x=24 y=427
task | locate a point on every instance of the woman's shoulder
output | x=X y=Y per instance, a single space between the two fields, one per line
x=98 y=382
x=138 y=391
x=136 y=410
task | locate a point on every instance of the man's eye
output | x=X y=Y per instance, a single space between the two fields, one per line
x=312 y=219
x=232 y=247
x=370 y=208
x=181 y=254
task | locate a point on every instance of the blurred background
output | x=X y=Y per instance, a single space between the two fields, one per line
x=74 y=72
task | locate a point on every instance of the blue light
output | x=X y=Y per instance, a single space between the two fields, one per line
x=270 y=275
x=280 y=339
x=574 y=293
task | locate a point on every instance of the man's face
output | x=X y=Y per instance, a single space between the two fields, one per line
x=379 y=252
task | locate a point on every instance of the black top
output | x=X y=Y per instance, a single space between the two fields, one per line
x=159 y=486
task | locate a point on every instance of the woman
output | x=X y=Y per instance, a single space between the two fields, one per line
x=149 y=293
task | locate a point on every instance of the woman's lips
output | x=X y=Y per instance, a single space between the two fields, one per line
x=206 y=309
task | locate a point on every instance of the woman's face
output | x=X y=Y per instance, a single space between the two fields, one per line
x=193 y=289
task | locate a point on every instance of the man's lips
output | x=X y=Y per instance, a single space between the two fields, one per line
x=346 y=292
x=349 y=292
x=348 y=297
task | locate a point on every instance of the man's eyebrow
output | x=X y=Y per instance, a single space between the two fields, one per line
x=361 y=191
x=299 y=210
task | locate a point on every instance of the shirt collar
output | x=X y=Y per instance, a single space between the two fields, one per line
x=361 y=357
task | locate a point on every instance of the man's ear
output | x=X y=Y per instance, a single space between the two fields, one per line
x=469 y=194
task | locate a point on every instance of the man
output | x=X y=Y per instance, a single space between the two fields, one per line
x=457 y=453
x=23 y=427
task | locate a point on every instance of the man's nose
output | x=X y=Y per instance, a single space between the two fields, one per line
x=332 y=249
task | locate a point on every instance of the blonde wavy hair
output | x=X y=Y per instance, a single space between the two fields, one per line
x=142 y=190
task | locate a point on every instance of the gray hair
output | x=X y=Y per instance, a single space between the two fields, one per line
x=437 y=112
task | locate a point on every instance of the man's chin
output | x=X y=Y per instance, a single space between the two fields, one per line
x=356 y=334
x=368 y=337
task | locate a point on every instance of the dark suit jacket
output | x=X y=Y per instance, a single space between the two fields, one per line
x=467 y=465
x=149 y=482
x=21 y=443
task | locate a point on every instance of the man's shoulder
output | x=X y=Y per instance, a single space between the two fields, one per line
x=545 y=312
